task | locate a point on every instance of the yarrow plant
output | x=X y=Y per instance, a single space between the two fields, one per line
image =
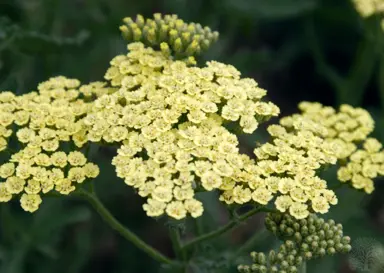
x=171 y=122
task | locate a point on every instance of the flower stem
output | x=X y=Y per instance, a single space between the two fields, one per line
x=229 y=226
x=125 y=232
x=304 y=268
x=176 y=244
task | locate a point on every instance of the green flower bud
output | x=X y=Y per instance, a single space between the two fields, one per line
x=165 y=49
x=326 y=227
x=140 y=21
x=292 y=269
x=346 y=240
x=289 y=231
x=314 y=245
x=347 y=248
x=312 y=229
x=168 y=28
x=272 y=257
x=126 y=32
x=186 y=37
x=323 y=244
x=291 y=259
x=321 y=234
x=283 y=228
x=274 y=230
x=299 y=260
x=331 y=250
x=284 y=265
x=151 y=36
x=296 y=226
x=339 y=247
x=289 y=244
x=304 y=247
x=280 y=257
x=274 y=269
x=137 y=34
x=331 y=243
x=303 y=222
x=321 y=252
x=244 y=269
x=329 y=234
x=193 y=48
x=163 y=33
x=255 y=268
x=319 y=222
x=205 y=44
x=309 y=239
x=254 y=256
x=304 y=230
x=261 y=258
x=263 y=269
x=308 y=255
x=298 y=237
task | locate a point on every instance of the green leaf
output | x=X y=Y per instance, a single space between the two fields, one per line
x=271 y=9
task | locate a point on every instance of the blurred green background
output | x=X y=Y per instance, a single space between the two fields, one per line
x=318 y=50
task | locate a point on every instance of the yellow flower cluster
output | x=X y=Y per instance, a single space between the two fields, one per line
x=344 y=130
x=363 y=166
x=32 y=172
x=286 y=168
x=170 y=33
x=369 y=7
x=180 y=161
x=173 y=114
x=6 y=118
x=51 y=115
x=43 y=120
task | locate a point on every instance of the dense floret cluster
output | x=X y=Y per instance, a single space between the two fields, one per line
x=303 y=240
x=169 y=120
x=169 y=33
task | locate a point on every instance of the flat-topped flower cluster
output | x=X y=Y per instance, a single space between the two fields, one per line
x=168 y=119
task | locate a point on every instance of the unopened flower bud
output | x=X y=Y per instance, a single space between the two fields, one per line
x=347 y=248
x=284 y=265
x=291 y=259
x=274 y=269
x=346 y=240
x=331 y=250
x=308 y=255
x=261 y=258
x=298 y=237
x=289 y=244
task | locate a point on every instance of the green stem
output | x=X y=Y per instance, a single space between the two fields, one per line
x=176 y=243
x=199 y=229
x=125 y=232
x=304 y=267
x=229 y=226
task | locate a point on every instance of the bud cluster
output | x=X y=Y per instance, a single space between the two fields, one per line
x=170 y=33
x=303 y=240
